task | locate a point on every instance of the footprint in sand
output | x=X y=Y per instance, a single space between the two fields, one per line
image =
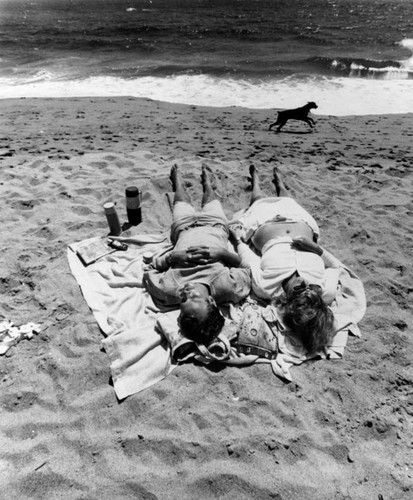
x=81 y=210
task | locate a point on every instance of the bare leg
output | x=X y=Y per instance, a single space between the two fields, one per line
x=178 y=185
x=256 y=193
x=281 y=188
x=209 y=193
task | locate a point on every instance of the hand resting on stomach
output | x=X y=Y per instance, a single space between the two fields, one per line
x=274 y=229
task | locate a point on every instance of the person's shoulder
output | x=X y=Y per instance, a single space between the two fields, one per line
x=239 y=271
x=239 y=280
x=230 y=278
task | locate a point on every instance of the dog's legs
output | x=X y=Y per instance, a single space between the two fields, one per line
x=281 y=125
x=309 y=122
x=277 y=121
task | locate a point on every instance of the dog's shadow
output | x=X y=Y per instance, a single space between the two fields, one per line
x=299 y=132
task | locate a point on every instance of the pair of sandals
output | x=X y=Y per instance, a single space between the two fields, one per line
x=11 y=335
x=182 y=349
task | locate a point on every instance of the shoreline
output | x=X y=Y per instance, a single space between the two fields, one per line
x=320 y=112
x=335 y=95
x=340 y=430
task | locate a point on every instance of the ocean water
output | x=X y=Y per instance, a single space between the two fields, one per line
x=350 y=56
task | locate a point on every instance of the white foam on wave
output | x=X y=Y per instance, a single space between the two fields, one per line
x=407 y=43
x=403 y=71
x=334 y=96
x=387 y=73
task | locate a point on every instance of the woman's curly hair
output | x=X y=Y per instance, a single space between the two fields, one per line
x=309 y=318
x=202 y=331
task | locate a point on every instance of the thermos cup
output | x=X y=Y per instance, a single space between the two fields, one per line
x=133 y=205
x=113 y=219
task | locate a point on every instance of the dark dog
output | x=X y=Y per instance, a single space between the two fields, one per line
x=295 y=114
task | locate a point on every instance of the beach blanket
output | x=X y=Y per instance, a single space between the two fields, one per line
x=137 y=332
x=112 y=287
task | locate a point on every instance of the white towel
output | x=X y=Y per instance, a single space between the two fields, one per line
x=112 y=287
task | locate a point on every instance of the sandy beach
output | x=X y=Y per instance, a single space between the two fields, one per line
x=341 y=430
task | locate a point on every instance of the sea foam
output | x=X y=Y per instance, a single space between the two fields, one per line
x=407 y=43
x=334 y=96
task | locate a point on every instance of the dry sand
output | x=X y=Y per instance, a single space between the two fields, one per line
x=342 y=430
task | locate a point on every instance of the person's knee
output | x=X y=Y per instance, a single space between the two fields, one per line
x=182 y=209
x=214 y=209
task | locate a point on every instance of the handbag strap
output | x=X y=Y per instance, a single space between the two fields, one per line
x=221 y=343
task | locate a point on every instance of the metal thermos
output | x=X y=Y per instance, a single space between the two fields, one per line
x=113 y=219
x=133 y=205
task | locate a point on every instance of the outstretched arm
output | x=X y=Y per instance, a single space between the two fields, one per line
x=248 y=257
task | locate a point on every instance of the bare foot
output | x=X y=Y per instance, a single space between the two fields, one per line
x=281 y=188
x=206 y=177
x=253 y=176
x=178 y=185
x=207 y=184
x=175 y=176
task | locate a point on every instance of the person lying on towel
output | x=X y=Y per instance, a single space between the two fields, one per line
x=200 y=271
x=288 y=268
